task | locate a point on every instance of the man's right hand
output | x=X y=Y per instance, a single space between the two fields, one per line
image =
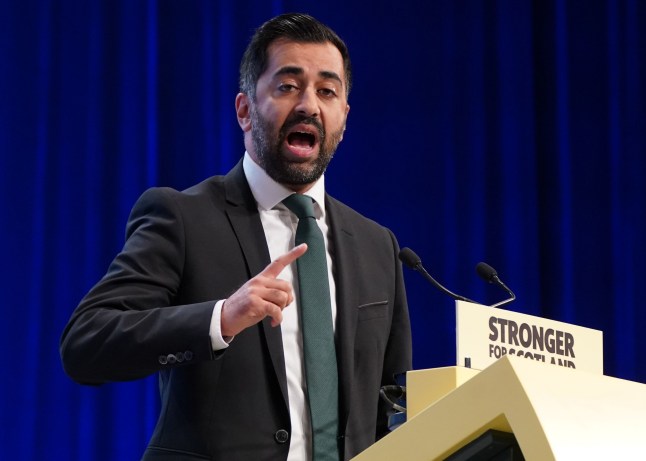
x=263 y=295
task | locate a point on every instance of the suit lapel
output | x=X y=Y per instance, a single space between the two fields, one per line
x=242 y=212
x=345 y=257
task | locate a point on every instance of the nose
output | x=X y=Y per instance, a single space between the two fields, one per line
x=308 y=103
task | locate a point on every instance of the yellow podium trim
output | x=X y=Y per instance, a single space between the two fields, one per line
x=555 y=413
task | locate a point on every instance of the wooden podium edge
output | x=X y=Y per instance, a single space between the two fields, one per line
x=493 y=399
x=554 y=413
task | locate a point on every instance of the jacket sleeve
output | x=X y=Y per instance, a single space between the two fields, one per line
x=127 y=326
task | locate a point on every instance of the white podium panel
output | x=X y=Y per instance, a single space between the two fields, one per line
x=484 y=334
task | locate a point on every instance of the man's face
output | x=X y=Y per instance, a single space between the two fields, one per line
x=297 y=119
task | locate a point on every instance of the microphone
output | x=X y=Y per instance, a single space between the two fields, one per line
x=489 y=274
x=410 y=259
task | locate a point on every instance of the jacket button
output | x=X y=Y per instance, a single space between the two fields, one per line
x=281 y=436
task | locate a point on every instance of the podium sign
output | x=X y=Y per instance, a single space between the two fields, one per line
x=484 y=334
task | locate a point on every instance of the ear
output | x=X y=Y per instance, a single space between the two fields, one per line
x=242 y=111
x=347 y=110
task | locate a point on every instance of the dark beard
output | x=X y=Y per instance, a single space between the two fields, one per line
x=277 y=166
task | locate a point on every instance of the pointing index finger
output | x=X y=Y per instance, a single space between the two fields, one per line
x=276 y=266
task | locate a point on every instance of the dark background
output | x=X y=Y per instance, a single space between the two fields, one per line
x=511 y=132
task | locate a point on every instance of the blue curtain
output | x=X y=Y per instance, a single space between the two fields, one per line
x=509 y=131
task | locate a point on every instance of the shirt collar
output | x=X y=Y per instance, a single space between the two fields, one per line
x=269 y=193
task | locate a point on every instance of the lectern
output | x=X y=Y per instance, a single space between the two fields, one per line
x=554 y=413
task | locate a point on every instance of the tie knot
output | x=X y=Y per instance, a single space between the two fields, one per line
x=301 y=205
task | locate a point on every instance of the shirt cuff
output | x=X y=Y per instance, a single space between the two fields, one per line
x=215 y=331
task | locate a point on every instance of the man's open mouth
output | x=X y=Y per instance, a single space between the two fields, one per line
x=301 y=139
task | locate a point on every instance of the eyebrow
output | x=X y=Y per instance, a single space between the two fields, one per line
x=294 y=70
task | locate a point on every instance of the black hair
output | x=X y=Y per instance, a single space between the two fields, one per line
x=296 y=27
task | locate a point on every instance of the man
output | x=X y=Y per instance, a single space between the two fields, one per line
x=193 y=294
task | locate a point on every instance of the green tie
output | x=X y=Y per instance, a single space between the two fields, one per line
x=318 y=335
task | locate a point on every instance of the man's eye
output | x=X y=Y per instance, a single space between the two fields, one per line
x=327 y=92
x=286 y=87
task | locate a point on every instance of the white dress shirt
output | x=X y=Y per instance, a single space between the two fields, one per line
x=279 y=225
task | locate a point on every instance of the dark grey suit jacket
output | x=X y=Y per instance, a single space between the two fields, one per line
x=151 y=313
